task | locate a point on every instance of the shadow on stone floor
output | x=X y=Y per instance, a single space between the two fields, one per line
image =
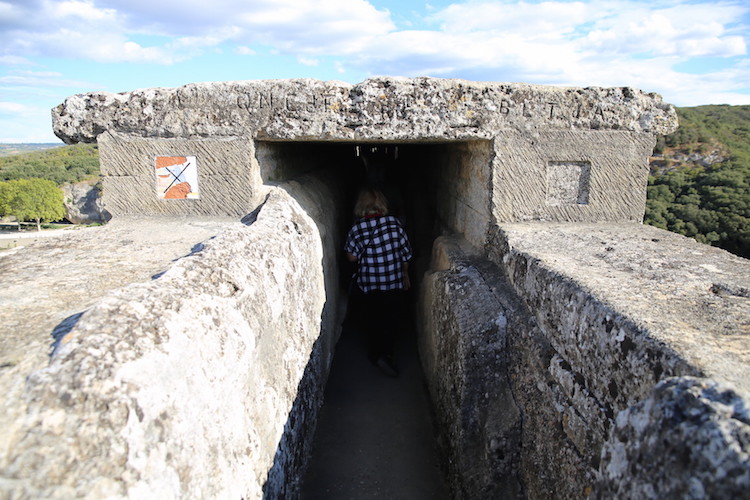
x=375 y=437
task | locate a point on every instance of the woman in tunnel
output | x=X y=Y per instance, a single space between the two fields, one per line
x=378 y=244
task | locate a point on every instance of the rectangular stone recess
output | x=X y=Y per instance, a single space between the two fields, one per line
x=617 y=176
x=568 y=183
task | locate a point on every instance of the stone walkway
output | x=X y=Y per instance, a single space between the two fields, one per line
x=375 y=437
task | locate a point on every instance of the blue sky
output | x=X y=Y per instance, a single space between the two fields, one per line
x=690 y=52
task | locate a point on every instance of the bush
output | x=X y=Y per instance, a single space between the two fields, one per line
x=709 y=204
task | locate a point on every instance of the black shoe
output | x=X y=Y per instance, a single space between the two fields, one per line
x=387 y=366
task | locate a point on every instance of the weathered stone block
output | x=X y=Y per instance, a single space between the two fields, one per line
x=202 y=383
x=530 y=183
x=378 y=109
x=83 y=203
x=465 y=325
x=689 y=439
x=228 y=175
x=611 y=131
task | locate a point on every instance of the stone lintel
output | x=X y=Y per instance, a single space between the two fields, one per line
x=395 y=109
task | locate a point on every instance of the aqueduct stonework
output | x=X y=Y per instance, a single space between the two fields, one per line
x=569 y=350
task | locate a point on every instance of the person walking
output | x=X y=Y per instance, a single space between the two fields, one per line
x=378 y=244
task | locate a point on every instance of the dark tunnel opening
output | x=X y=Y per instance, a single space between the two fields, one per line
x=434 y=188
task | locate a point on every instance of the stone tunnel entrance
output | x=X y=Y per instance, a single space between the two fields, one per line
x=434 y=187
x=375 y=436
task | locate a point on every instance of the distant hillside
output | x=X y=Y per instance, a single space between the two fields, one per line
x=14 y=149
x=60 y=164
x=700 y=178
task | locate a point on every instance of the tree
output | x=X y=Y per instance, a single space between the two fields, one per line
x=7 y=193
x=32 y=199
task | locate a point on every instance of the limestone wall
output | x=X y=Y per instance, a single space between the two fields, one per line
x=617 y=356
x=463 y=173
x=572 y=175
x=525 y=152
x=203 y=383
x=466 y=318
x=230 y=183
x=619 y=309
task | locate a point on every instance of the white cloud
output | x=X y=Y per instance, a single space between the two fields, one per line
x=687 y=30
x=106 y=30
x=40 y=79
x=19 y=122
x=545 y=19
x=12 y=108
x=495 y=34
x=325 y=26
x=243 y=50
x=16 y=61
x=80 y=9
x=308 y=61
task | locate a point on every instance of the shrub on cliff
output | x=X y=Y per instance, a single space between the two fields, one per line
x=708 y=203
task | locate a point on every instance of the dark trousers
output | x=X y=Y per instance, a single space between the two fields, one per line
x=378 y=315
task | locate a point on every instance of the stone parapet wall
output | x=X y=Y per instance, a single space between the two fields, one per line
x=689 y=439
x=619 y=309
x=383 y=108
x=600 y=361
x=466 y=317
x=664 y=304
x=203 y=383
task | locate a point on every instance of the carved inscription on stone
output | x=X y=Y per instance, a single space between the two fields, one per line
x=289 y=102
x=568 y=183
x=387 y=107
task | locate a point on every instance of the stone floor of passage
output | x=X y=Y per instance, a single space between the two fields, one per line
x=375 y=437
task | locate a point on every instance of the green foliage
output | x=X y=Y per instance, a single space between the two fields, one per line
x=62 y=165
x=32 y=199
x=7 y=194
x=710 y=204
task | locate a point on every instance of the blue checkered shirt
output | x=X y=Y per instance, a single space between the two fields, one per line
x=381 y=247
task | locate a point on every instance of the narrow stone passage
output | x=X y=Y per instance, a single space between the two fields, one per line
x=375 y=436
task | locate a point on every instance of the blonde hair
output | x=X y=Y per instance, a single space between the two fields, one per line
x=369 y=202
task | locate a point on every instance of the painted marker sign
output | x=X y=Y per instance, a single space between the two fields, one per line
x=177 y=177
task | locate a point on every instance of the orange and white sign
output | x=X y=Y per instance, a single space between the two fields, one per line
x=177 y=177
